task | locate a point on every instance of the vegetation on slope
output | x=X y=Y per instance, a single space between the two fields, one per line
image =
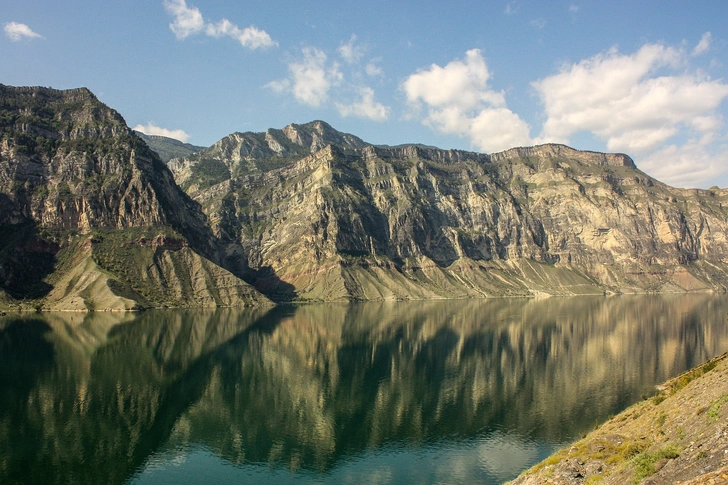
x=679 y=435
x=71 y=174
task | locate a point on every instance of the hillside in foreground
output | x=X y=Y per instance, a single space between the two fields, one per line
x=680 y=435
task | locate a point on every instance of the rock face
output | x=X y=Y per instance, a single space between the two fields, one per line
x=69 y=168
x=310 y=213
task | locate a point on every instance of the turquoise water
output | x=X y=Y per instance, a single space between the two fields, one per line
x=407 y=392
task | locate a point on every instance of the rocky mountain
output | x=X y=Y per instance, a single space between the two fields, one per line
x=90 y=217
x=309 y=213
x=168 y=148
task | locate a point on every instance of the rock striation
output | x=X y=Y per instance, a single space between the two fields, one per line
x=72 y=174
x=309 y=213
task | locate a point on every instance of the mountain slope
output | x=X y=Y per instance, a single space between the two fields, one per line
x=677 y=436
x=69 y=168
x=310 y=213
x=168 y=148
x=313 y=214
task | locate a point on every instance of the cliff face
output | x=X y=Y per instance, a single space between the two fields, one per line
x=70 y=167
x=309 y=213
x=329 y=217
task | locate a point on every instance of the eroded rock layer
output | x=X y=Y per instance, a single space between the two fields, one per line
x=310 y=213
x=73 y=175
x=307 y=213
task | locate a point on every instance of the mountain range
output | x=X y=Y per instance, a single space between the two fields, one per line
x=93 y=218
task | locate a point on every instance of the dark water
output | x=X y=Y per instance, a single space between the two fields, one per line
x=423 y=392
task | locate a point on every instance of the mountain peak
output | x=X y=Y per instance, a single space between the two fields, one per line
x=70 y=95
x=557 y=150
x=317 y=134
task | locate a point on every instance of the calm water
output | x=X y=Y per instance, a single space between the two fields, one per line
x=423 y=392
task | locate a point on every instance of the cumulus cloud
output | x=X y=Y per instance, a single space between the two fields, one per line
x=319 y=82
x=372 y=69
x=366 y=107
x=623 y=101
x=640 y=104
x=151 y=129
x=310 y=78
x=459 y=101
x=350 y=51
x=188 y=20
x=17 y=32
x=511 y=8
x=704 y=44
x=692 y=164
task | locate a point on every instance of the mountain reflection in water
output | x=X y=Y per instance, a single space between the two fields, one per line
x=311 y=392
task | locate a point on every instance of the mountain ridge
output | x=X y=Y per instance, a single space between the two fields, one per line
x=168 y=148
x=76 y=184
x=308 y=213
x=371 y=199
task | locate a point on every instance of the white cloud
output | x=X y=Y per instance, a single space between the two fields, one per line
x=152 y=129
x=350 y=52
x=459 y=101
x=365 y=108
x=511 y=8
x=279 y=86
x=310 y=79
x=372 y=69
x=642 y=104
x=16 y=32
x=573 y=8
x=314 y=80
x=538 y=23
x=250 y=37
x=623 y=101
x=693 y=164
x=189 y=21
x=704 y=44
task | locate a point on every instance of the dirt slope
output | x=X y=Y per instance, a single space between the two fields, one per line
x=678 y=436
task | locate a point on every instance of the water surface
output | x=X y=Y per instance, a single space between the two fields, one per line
x=409 y=392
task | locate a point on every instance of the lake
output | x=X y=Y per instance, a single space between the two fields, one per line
x=467 y=391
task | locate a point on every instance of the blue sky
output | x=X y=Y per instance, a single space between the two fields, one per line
x=647 y=78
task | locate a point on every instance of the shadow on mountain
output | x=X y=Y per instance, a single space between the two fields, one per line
x=267 y=282
x=26 y=258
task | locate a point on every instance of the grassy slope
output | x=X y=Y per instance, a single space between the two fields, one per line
x=680 y=434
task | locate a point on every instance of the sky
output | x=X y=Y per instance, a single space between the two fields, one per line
x=648 y=78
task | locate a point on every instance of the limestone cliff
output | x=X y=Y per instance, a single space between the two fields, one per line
x=309 y=213
x=69 y=168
